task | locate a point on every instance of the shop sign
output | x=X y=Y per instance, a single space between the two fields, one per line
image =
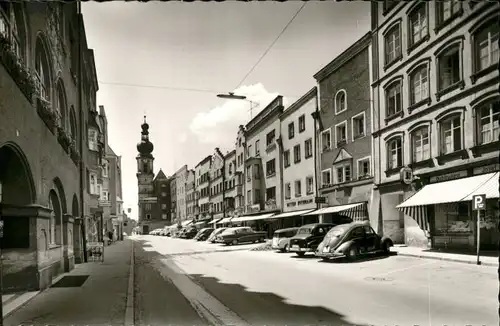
x=448 y=176
x=301 y=202
x=487 y=169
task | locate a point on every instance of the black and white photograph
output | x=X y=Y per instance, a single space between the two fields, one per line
x=240 y=163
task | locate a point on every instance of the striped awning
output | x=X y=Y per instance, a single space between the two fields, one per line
x=224 y=220
x=356 y=211
x=252 y=217
x=419 y=214
x=186 y=223
x=217 y=220
x=293 y=213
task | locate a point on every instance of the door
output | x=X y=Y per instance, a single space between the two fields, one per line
x=371 y=239
x=145 y=229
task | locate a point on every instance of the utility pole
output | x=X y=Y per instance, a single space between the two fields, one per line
x=82 y=130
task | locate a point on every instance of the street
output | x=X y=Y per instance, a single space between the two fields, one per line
x=177 y=281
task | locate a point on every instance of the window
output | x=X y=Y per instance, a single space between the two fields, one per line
x=93 y=184
x=257 y=196
x=270 y=193
x=291 y=130
x=326 y=140
x=60 y=105
x=148 y=216
x=256 y=171
x=42 y=76
x=343 y=173
x=286 y=158
x=340 y=101
x=105 y=170
x=164 y=216
x=271 y=167
x=302 y=123
x=296 y=153
x=341 y=133
x=326 y=177
x=393 y=98
x=395 y=153
x=52 y=220
x=389 y=4
x=105 y=195
x=451 y=135
x=249 y=173
x=9 y=28
x=393 y=44
x=308 y=148
x=230 y=168
x=486 y=47
x=419 y=84
x=270 y=138
x=257 y=147
x=298 y=188
x=418 y=24
x=446 y=10
x=249 y=197
x=309 y=185
x=449 y=67
x=488 y=123
x=164 y=194
x=364 y=168
x=249 y=152
x=93 y=140
x=420 y=144
x=358 y=125
x=288 y=190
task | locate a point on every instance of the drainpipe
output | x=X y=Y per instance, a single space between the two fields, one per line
x=82 y=130
x=223 y=187
x=318 y=127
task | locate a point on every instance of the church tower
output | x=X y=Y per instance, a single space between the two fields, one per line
x=145 y=172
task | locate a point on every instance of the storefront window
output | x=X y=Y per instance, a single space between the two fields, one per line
x=489 y=217
x=453 y=218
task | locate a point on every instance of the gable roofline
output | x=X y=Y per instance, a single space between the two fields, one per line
x=203 y=161
x=312 y=93
x=344 y=57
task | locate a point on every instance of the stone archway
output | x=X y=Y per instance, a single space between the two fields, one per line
x=17 y=189
x=17 y=192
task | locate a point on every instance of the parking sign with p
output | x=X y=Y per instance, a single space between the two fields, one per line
x=479 y=202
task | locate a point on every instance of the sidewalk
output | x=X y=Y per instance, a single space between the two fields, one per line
x=100 y=300
x=454 y=257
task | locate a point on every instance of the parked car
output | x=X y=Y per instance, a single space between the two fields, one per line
x=189 y=233
x=308 y=238
x=241 y=234
x=214 y=234
x=352 y=240
x=281 y=239
x=203 y=234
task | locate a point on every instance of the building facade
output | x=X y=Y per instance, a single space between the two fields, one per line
x=345 y=142
x=297 y=134
x=190 y=194
x=230 y=181
x=217 y=180
x=202 y=170
x=240 y=153
x=180 y=189
x=173 y=198
x=435 y=90
x=44 y=142
x=114 y=194
x=262 y=173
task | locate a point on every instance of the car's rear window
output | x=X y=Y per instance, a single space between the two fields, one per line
x=337 y=231
x=304 y=231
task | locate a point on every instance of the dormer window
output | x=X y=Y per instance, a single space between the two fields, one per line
x=93 y=135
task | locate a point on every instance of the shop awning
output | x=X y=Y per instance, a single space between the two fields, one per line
x=217 y=220
x=294 y=213
x=200 y=223
x=356 y=211
x=252 y=217
x=224 y=220
x=186 y=223
x=454 y=191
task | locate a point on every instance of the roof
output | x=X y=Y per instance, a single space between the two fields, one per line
x=110 y=151
x=312 y=93
x=344 y=57
x=160 y=175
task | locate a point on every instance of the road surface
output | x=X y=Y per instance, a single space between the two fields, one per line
x=185 y=282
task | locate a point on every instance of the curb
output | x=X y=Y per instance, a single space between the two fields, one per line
x=455 y=260
x=129 y=309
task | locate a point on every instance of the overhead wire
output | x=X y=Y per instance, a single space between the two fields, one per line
x=272 y=44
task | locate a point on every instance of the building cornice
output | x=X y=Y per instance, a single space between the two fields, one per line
x=312 y=93
x=344 y=57
x=271 y=111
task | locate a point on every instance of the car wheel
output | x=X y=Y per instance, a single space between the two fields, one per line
x=235 y=242
x=352 y=253
x=262 y=240
x=285 y=248
x=386 y=247
x=300 y=254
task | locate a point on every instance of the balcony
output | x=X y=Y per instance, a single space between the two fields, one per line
x=104 y=203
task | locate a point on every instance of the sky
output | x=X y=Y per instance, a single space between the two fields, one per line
x=169 y=60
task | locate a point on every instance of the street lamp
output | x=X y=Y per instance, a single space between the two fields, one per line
x=232 y=96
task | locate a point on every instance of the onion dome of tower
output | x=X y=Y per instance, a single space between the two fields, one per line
x=145 y=147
